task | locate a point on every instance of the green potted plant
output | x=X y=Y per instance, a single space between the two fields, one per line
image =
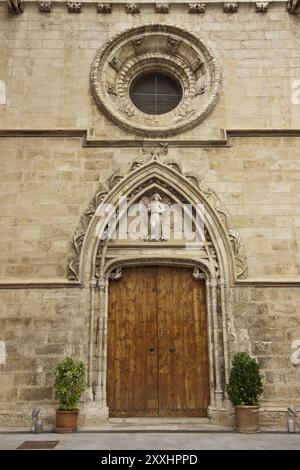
x=69 y=385
x=244 y=389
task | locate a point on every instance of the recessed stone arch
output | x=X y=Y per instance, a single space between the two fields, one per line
x=98 y=261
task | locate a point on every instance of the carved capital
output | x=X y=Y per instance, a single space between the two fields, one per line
x=45 y=7
x=93 y=283
x=162 y=7
x=115 y=275
x=198 y=275
x=102 y=283
x=198 y=8
x=262 y=7
x=16 y=7
x=74 y=7
x=104 y=7
x=133 y=8
x=230 y=7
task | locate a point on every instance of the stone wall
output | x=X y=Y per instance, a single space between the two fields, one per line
x=46 y=61
x=48 y=182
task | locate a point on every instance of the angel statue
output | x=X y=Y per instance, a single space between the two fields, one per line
x=156 y=209
x=156 y=226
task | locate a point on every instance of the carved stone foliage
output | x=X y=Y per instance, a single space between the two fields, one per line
x=104 y=7
x=198 y=275
x=133 y=8
x=16 y=7
x=74 y=7
x=293 y=7
x=230 y=7
x=164 y=161
x=262 y=7
x=162 y=7
x=197 y=8
x=176 y=52
x=45 y=7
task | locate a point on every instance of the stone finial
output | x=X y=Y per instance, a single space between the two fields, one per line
x=74 y=7
x=197 y=8
x=104 y=7
x=45 y=6
x=293 y=7
x=133 y=8
x=162 y=7
x=230 y=7
x=262 y=7
x=16 y=7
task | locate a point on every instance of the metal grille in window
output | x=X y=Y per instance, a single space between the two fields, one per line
x=155 y=93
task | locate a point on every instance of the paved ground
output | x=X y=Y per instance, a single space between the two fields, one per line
x=157 y=440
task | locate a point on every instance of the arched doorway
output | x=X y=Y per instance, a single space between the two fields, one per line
x=157 y=351
x=217 y=261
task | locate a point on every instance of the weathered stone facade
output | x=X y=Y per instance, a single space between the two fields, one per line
x=57 y=150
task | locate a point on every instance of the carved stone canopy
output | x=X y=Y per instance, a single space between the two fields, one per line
x=162 y=48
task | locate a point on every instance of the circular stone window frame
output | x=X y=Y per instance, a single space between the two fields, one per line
x=176 y=52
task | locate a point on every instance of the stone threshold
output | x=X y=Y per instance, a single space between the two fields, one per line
x=145 y=428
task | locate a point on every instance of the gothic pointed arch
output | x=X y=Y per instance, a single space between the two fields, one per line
x=222 y=252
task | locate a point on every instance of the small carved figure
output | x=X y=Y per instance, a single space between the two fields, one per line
x=156 y=209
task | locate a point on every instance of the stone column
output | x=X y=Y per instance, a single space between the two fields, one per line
x=100 y=387
x=93 y=287
x=218 y=390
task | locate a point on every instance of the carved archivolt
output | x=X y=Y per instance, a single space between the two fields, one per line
x=155 y=47
x=148 y=175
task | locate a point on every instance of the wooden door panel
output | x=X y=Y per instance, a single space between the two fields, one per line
x=182 y=341
x=132 y=333
x=157 y=344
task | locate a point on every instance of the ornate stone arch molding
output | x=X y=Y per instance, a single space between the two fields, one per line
x=163 y=48
x=224 y=248
x=96 y=261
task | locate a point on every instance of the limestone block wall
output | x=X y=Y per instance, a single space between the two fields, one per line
x=46 y=61
x=48 y=181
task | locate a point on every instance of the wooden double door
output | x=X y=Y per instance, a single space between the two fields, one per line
x=157 y=344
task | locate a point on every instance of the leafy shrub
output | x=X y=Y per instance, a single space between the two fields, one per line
x=245 y=381
x=69 y=383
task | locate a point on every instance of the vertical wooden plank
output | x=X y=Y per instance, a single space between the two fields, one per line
x=132 y=344
x=182 y=337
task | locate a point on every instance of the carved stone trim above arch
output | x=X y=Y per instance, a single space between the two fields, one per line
x=98 y=260
x=156 y=171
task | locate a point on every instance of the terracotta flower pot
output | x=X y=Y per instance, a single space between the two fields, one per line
x=66 y=421
x=246 y=418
